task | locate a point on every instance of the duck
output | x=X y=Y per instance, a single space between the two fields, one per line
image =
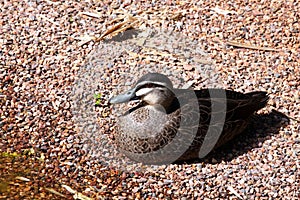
x=169 y=124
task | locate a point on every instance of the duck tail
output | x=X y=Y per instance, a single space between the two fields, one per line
x=260 y=99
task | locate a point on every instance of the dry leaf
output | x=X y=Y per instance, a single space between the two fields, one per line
x=85 y=39
x=112 y=29
x=122 y=26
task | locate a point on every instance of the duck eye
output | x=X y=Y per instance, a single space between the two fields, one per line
x=150 y=85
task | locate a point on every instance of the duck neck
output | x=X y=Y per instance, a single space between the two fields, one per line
x=167 y=108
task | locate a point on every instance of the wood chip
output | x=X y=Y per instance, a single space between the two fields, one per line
x=222 y=11
x=89 y=14
x=54 y=192
x=77 y=195
x=22 y=178
x=49 y=20
x=231 y=189
x=69 y=189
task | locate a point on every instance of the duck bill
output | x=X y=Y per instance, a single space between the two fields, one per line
x=125 y=97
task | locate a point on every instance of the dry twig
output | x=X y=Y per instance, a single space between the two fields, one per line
x=249 y=46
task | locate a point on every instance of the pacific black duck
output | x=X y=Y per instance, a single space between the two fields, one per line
x=172 y=124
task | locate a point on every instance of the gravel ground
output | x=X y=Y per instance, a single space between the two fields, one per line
x=44 y=52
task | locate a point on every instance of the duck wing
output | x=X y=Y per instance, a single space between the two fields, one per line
x=238 y=105
x=222 y=110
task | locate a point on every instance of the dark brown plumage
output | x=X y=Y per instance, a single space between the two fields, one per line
x=177 y=124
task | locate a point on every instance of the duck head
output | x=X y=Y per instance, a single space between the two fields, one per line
x=152 y=89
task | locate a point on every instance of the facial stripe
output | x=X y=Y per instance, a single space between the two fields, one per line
x=143 y=91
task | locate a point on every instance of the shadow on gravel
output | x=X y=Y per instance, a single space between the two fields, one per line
x=128 y=34
x=260 y=129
